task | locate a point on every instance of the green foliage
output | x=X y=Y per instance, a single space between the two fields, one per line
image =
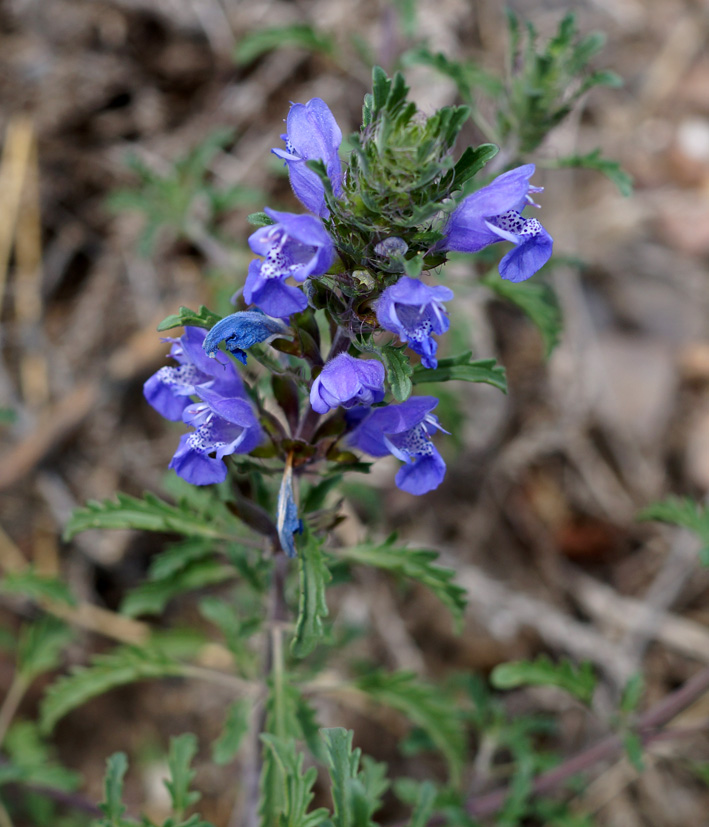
x=399 y=371
x=40 y=647
x=126 y=664
x=463 y=368
x=632 y=694
x=182 y=751
x=298 y=35
x=199 y=318
x=290 y=807
x=579 y=681
x=611 y=169
x=312 y=606
x=37 y=587
x=154 y=594
x=32 y=761
x=237 y=630
x=682 y=512
x=153 y=514
x=176 y=198
x=260 y=219
x=112 y=806
x=467 y=76
x=538 y=301
x=633 y=745
x=235 y=727
x=8 y=416
x=416 y=564
x=427 y=706
x=544 y=83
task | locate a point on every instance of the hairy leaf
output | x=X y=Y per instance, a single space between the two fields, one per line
x=312 y=606
x=417 y=564
x=461 y=367
x=579 y=681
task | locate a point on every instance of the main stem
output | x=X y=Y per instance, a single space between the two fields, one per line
x=248 y=813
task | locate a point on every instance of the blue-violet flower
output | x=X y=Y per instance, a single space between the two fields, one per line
x=223 y=426
x=169 y=390
x=312 y=134
x=492 y=214
x=240 y=331
x=347 y=381
x=414 y=311
x=296 y=245
x=405 y=431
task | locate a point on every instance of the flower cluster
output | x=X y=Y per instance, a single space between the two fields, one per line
x=331 y=259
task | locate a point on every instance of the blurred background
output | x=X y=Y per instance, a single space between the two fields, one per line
x=136 y=137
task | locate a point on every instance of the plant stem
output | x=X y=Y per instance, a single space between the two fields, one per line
x=13 y=699
x=247 y=812
x=647 y=728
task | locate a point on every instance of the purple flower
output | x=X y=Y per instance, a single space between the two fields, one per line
x=298 y=246
x=169 y=390
x=405 y=431
x=312 y=134
x=492 y=214
x=414 y=311
x=347 y=381
x=223 y=426
x=240 y=331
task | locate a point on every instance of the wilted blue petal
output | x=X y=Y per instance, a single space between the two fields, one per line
x=287 y=522
x=242 y=330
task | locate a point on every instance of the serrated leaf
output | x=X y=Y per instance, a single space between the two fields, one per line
x=579 y=681
x=182 y=751
x=296 y=786
x=464 y=369
x=299 y=35
x=312 y=605
x=37 y=587
x=417 y=564
x=399 y=372
x=32 y=760
x=40 y=647
x=471 y=162
x=147 y=514
x=537 y=300
x=633 y=745
x=112 y=806
x=152 y=596
x=124 y=665
x=356 y=793
x=179 y=556
x=424 y=805
x=425 y=705
x=611 y=169
x=199 y=318
x=235 y=727
x=682 y=512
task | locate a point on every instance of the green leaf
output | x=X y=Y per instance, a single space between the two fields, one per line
x=537 y=300
x=315 y=497
x=113 y=807
x=8 y=416
x=398 y=370
x=149 y=514
x=296 y=786
x=200 y=318
x=299 y=35
x=424 y=805
x=413 y=267
x=471 y=162
x=40 y=647
x=37 y=587
x=227 y=745
x=356 y=794
x=611 y=169
x=632 y=694
x=633 y=745
x=312 y=606
x=682 y=512
x=124 y=665
x=417 y=564
x=260 y=219
x=152 y=596
x=461 y=367
x=33 y=761
x=579 y=681
x=183 y=749
x=426 y=706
